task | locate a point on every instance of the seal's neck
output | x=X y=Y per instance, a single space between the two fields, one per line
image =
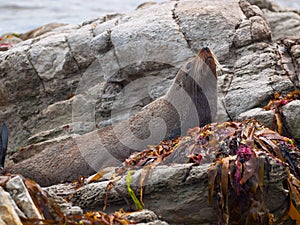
x=202 y=92
x=199 y=80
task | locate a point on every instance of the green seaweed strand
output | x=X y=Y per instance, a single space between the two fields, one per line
x=131 y=192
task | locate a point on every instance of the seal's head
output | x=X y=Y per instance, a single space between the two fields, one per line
x=208 y=58
x=198 y=79
x=202 y=69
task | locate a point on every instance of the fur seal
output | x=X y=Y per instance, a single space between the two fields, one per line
x=190 y=101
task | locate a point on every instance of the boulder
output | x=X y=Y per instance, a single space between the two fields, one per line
x=169 y=192
x=284 y=22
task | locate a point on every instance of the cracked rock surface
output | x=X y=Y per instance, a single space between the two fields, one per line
x=68 y=78
x=165 y=185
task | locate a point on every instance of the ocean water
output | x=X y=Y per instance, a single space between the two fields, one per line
x=23 y=15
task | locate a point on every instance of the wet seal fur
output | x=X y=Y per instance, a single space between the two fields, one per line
x=190 y=101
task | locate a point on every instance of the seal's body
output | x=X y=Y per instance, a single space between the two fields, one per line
x=190 y=101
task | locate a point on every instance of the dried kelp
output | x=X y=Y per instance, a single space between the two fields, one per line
x=276 y=104
x=239 y=154
x=90 y=218
x=152 y=155
x=117 y=218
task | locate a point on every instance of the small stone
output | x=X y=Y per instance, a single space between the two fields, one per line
x=8 y=214
x=74 y=210
x=156 y=222
x=250 y=10
x=260 y=29
x=21 y=196
x=142 y=216
x=100 y=43
x=259 y=114
x=291 y=113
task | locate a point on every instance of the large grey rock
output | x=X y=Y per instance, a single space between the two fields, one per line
x=249 y=89
x=171 y=193
x=283 y=21
x=164 y=183
x=283 y=24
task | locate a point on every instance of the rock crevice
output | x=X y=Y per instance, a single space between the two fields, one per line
x=177 y=21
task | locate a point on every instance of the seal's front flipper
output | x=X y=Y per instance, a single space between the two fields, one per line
x=3 y=144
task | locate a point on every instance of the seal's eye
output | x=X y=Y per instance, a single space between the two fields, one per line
x=189 y=66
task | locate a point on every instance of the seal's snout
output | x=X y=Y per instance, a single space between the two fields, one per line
x=206 y=49
x=206 y=56
x=205 y=53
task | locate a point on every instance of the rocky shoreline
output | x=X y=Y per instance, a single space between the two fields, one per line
x=60 y=83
